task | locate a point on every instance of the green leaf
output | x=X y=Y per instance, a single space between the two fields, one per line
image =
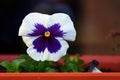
x=72 y=64
x=48 y=69
x=16 y=64
x=8 y=66
x=27 y=67
x=18 y=61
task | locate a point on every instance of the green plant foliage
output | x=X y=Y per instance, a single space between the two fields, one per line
x=37 y=66
x=12 y=66
x=26 y=64
x=8 y=66
x=72 y=64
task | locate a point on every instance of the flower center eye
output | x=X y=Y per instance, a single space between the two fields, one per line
x=47 y=34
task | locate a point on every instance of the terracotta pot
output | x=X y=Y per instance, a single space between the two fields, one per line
x=59 y=76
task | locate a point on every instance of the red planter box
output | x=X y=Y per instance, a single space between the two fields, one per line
x=59 y=76
x=106 y=62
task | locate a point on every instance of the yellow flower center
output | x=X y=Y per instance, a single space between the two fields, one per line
x=47 y=34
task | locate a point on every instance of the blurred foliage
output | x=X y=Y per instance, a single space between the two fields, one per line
x=26 y=64
x=72 y=64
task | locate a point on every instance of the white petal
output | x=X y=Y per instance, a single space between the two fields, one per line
x=29 y=40
x=34 y=54
x=47 y=55
x=66 y=25
x=30 y=20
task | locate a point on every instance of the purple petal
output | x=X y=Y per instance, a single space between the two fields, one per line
x=55 y=30
x=40 y=44
x=52 y=44
x=40 y=29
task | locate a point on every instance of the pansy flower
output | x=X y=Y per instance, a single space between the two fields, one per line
x=46 y=36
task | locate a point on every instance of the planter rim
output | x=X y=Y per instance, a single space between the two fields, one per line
x=59 y=73
x=60 y=76
x=110 y=74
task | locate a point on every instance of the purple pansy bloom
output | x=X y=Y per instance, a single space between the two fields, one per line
x=47 y=38
x=46 y=35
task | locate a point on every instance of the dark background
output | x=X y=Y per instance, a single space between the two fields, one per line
x=97 y=23
x=13 y=11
